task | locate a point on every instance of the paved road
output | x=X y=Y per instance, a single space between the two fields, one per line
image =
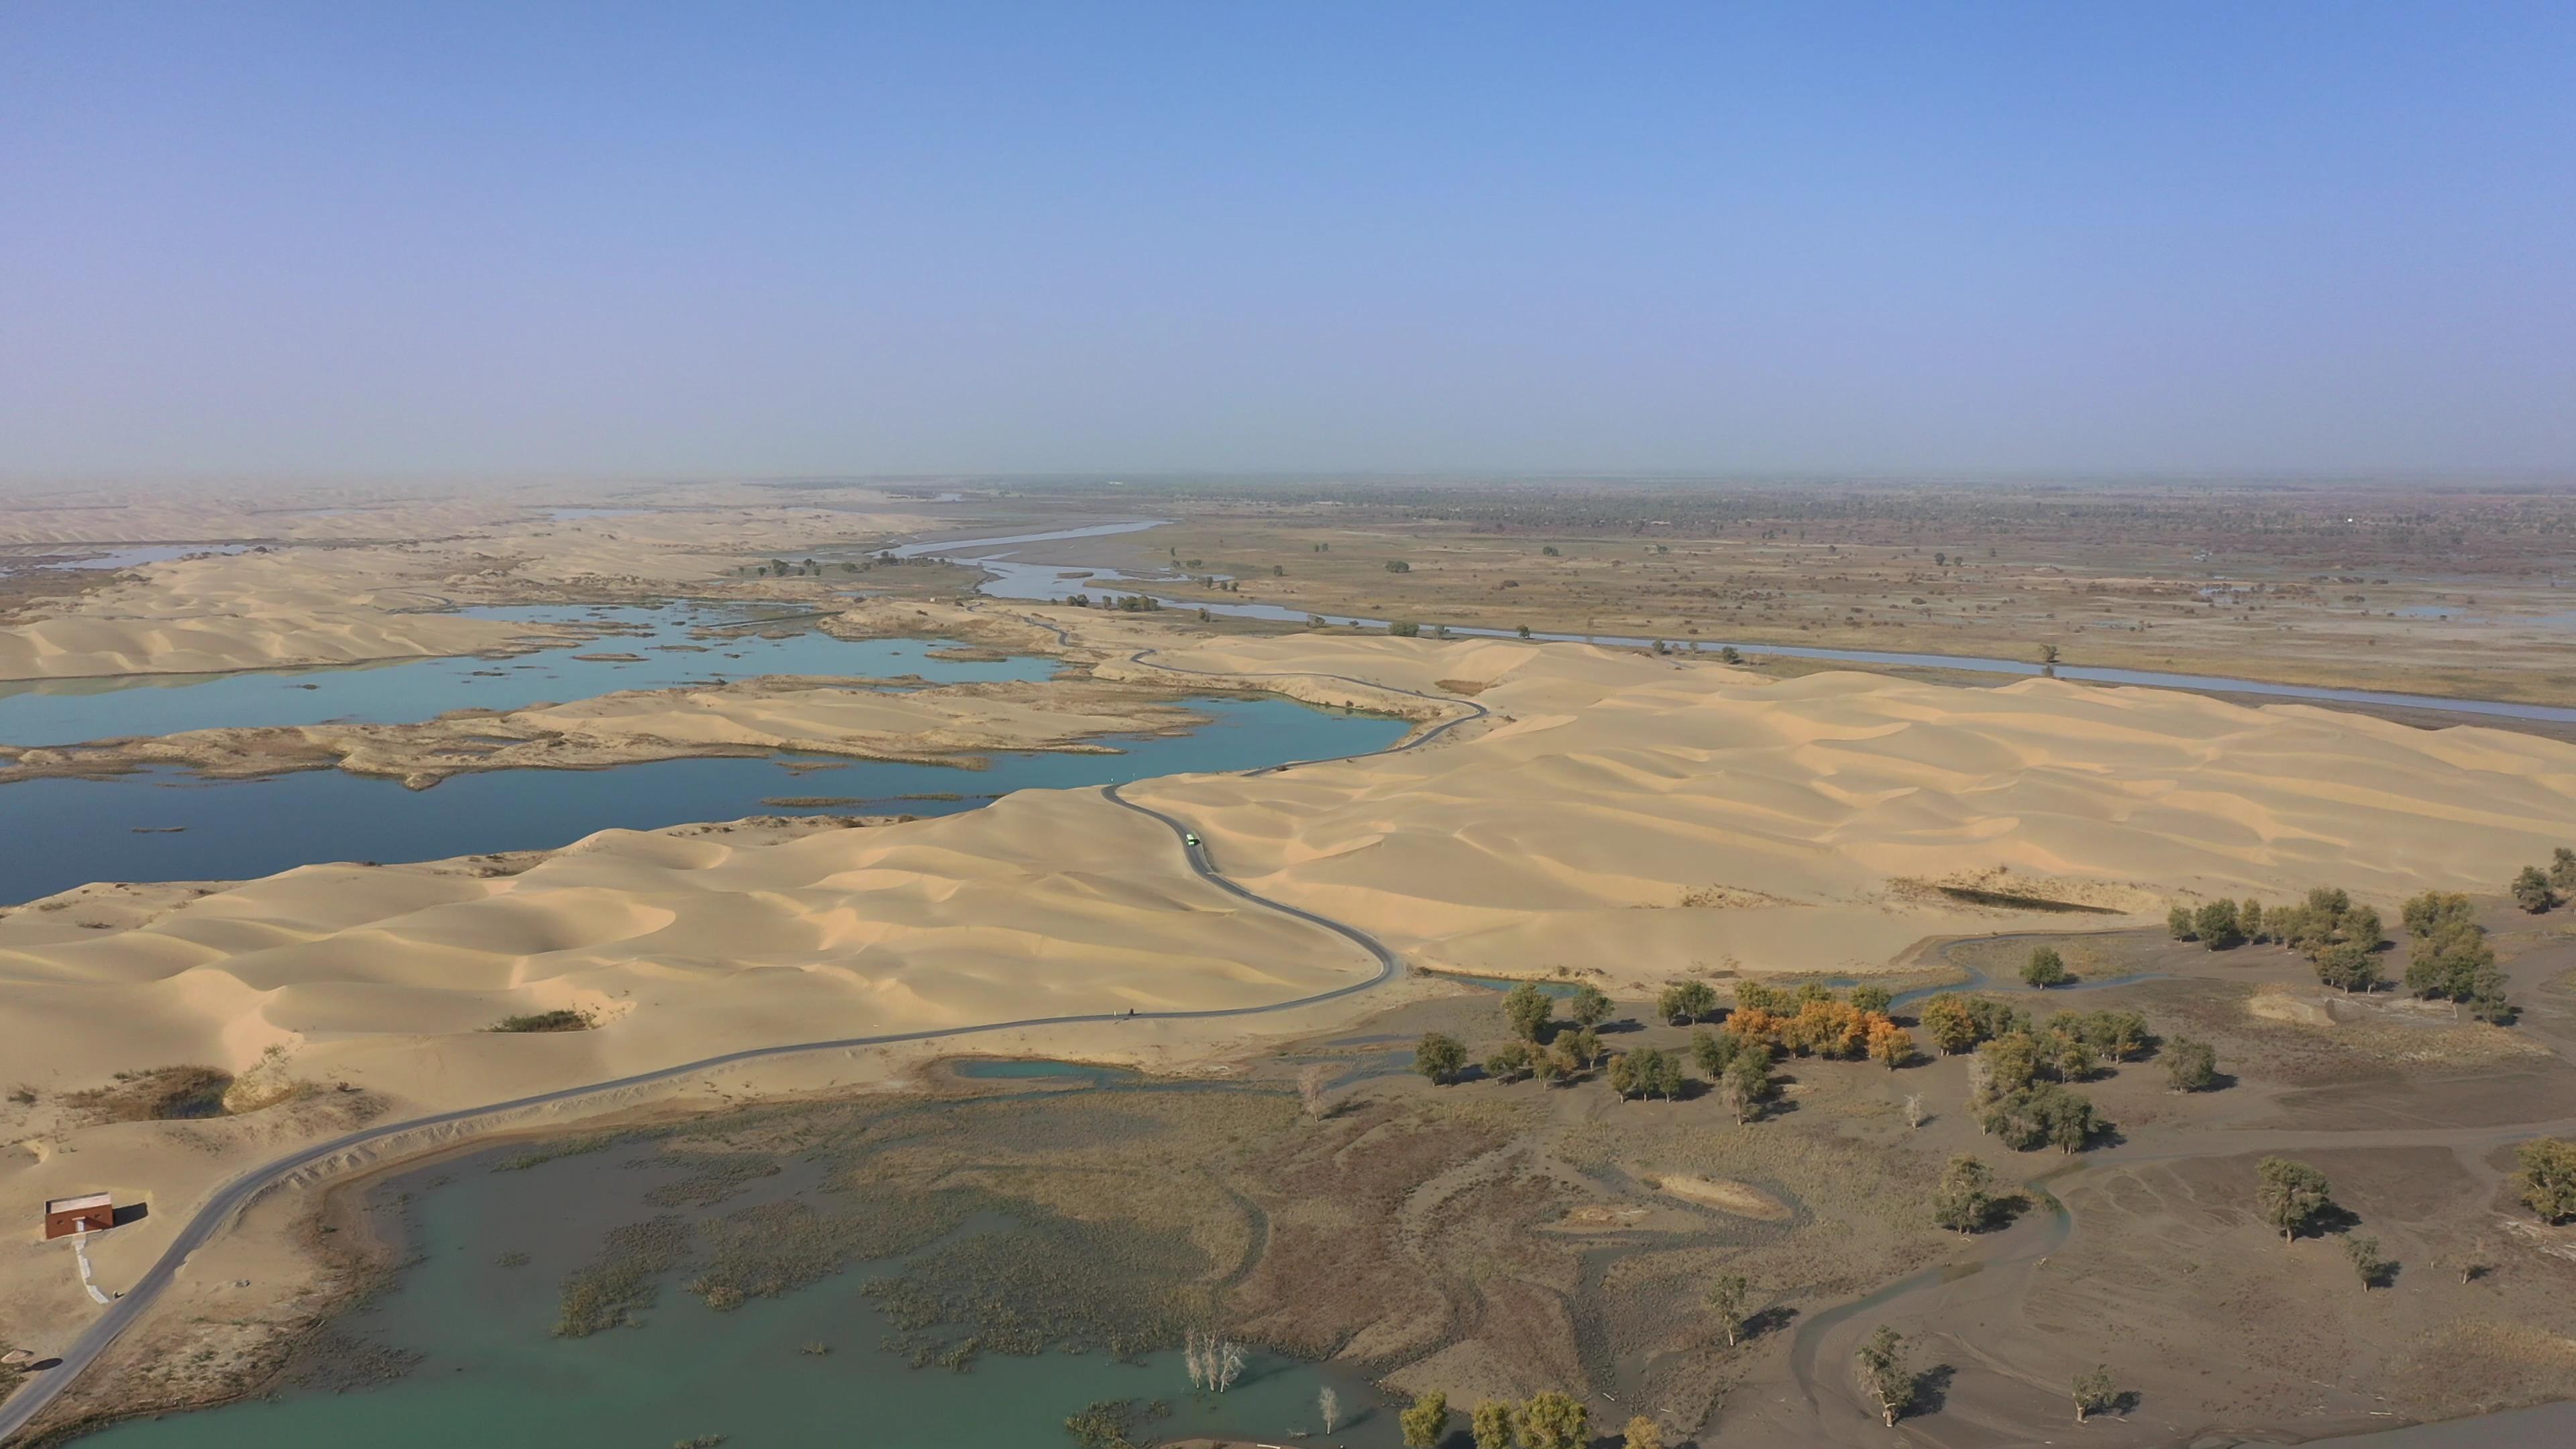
x=228 y=1201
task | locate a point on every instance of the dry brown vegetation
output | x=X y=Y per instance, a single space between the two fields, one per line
x=2309 y=584
x=155 y=1094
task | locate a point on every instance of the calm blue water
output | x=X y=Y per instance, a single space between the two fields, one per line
x=1014 y=1069
x=69 y=711
x=64 y=833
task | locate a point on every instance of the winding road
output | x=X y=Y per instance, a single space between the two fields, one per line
x=228 y=1201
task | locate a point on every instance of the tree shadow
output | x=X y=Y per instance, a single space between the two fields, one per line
x=1768 y=1320
x=1932 y=1389
x=2007 y=1210
x=2334 y=1217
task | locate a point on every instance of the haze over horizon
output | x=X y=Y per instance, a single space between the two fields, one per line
x=270 y=239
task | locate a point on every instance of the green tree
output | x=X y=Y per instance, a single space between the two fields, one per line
x=1405 y=629
x=1625 y=1075
x=2095 y=1393
x=1554 y=1420
x=1492 y=1425
x=2249 y=918
x=1398 y=566
x=1585 y=1044
x=1684 y=1002
x=1427 y=1422
x=1761 y=996
x=1874 y=999
x=1551 y=551
x=1660 y=1074
x=2067 y=1117
x=2191 y=1066
x=2347 y=966
x=2044 y=968
x=1529 y=1010
x=1590 y=1006
x=2215 y=925
x=2531 y=890
x=1510 y=1062
x=2362 y=1251
x=1730 y=1298
x=2547 y=1180
x=2012 y=1062
x=1552 y=1067
x=2291 y=1196
x=2178 y=923
x=2562 y=871
x=1440 y=1057
x=1880 y=1365
x=1747 y=1085
x=1964 y=1202
x=1712 y=1050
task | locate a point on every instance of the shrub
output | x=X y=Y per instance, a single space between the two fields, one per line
x=560 y=1019
x=2548 y=1178
x=2532 y=891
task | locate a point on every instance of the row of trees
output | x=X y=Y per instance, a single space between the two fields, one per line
x=2335 y=934
x=1549 y=1420
x=2448 y=957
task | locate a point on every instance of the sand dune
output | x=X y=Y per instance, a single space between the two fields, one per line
x=1618 y=813
x=335 y=591
x=1570 y=831
x=1046 y=903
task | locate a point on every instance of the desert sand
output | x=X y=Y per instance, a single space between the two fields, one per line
x=1618 y=814
x=368 y=583
x=1612 y=790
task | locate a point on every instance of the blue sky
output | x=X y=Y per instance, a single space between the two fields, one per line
x=683 y=240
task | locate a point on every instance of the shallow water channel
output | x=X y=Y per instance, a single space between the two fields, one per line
x=489 y=1371
x=673 y=644
x=1054 y=582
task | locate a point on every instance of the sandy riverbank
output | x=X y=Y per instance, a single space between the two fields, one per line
x=369 y=583
x=900 y=720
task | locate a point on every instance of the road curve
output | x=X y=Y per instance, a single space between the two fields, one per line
x=33 y=1398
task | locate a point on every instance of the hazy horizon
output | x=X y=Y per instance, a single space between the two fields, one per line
x=2203 y=243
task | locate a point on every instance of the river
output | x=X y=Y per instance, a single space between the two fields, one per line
x=1016 y=580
